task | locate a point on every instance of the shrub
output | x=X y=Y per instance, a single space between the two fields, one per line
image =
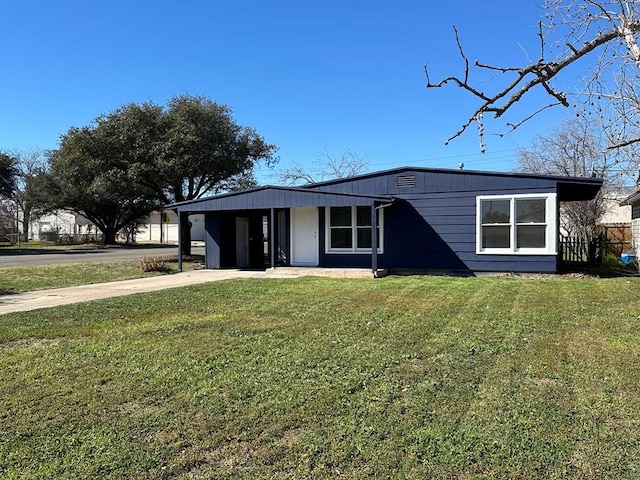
x=153 y=264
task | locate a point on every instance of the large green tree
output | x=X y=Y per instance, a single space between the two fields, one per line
x=8 y=175
x=89 y=175
x=141 y=156
x=189 y=149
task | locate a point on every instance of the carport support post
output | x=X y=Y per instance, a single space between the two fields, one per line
x=272 y=241
x=179 y=242
x=374 y=241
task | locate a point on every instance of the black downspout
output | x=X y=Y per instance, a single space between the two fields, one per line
x=374 y=241
x=374 y=236
x=179 y=242
x=272 y=238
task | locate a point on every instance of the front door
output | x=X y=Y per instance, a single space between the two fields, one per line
x=242 y=242
x=304 y=236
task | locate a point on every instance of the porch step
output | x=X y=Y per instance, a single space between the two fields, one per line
x=324 y=272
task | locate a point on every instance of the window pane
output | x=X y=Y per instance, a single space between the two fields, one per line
x=341 y=238
x=364 y=238
x=531 y=211
x=340 y=216
x=496 y=211
x=363 y=216
x=531 y=236
x=496 y=237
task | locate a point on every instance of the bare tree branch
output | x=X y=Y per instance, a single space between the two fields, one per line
x=327 y=167
x=583 y=27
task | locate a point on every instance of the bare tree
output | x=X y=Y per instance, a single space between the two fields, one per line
x=29 y=164
x=603 y=31
x=574 y=148
x=327 y=167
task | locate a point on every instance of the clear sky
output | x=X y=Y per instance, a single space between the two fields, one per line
x=309 y=76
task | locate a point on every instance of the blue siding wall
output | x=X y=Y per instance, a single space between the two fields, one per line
x=272 y=197
x=437 y=182
x=212 y=240
x=433 y=227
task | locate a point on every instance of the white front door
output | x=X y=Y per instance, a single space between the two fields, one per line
x=242 y=242
x=304 y=236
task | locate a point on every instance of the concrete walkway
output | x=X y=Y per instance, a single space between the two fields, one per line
x=23 y=302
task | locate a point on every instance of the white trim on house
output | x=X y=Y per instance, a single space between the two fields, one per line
x=550 y=225
x=354 y=232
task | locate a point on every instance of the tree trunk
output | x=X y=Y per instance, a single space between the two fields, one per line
x=185 y=233
x=109 y=236
x=26 y=221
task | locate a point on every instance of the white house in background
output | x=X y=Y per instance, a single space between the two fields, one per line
x=153 y=229
x=616 y=214
x=615 y=224
x=60 y=223
x=162 y=227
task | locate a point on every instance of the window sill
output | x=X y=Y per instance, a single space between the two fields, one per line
x=351 y=252
x=516 y=252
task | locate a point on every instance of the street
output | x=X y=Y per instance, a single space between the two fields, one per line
x=24 y=258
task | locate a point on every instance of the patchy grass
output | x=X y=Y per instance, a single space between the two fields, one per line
x=319 y=378
x=28 y=279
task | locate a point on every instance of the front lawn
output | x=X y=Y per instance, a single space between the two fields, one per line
x=28 y=279
x=408 y=378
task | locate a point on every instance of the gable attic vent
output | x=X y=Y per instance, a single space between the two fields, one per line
x=405 y=181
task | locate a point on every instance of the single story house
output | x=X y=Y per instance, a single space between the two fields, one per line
x=407 y=218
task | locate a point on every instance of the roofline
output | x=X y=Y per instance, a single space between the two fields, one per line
x=382 y=198
x=306 y=188
x=560 y=178
x=631 y=199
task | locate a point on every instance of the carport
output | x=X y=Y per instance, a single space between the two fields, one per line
x=272 y=226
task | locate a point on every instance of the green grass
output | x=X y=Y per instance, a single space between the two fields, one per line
x=28 y=279
x=408 y=378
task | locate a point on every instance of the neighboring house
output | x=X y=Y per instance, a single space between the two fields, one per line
x=615 y=212
x=633 y=201
x=424 y=219
x=615 y=224
x=162 y=227
x=60 y=224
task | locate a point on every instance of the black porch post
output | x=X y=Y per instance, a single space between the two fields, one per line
x=272 y=239
x=374 y=241
x=179 y=242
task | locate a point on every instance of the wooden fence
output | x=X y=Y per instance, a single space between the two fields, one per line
x=576 y=252
x=618 y=238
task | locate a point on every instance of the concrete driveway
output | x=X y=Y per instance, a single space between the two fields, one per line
x=24 y=258
x=23 y=302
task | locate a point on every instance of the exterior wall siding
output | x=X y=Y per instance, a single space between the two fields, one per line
x=431 y=224
x=436 y=230
x=212 y=240
x=273 y=198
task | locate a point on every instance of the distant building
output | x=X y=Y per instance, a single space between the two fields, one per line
x=162 y=227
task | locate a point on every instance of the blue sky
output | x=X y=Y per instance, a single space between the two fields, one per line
x=309 y=76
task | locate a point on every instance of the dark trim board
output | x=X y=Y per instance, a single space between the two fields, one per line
x=429 y=224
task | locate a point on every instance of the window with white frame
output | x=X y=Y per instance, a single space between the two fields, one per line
x=516 y=224
x=348 y=229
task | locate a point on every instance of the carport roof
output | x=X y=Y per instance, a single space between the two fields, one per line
x=276 y=197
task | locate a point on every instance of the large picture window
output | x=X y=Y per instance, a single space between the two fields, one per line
x=516 y=224
x=349 y=229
